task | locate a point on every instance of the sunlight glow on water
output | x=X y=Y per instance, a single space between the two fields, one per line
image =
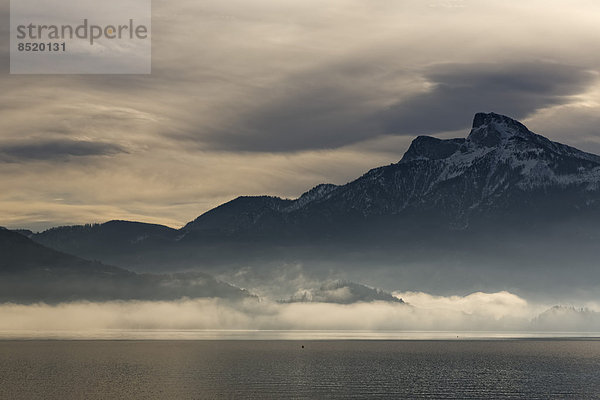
x=311 y=369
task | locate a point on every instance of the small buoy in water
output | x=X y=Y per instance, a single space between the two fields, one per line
x=302 y=346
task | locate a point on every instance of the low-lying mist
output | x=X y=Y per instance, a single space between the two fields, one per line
x=501 y=311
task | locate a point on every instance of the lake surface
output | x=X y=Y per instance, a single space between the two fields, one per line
x=323 y=369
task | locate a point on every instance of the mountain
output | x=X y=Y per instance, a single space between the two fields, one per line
x=501 y=170
x=341 y=292
x=107 y=241
x=30 y=272
x=490 y=210
x=21 y=255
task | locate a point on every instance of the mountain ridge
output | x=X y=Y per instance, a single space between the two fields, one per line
x=490 y=133
x=31 y=272
x=498 y=153
x=501 y=197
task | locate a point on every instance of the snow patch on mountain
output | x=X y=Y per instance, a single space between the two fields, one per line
x=317 y=193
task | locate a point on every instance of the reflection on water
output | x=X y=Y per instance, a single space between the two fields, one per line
x=322 y=369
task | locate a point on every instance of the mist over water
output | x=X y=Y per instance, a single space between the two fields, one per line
x=501 y=312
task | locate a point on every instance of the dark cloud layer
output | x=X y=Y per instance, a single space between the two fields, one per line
x=459 y=91
x=311 y=118
x=55 y=150
x=324 y=113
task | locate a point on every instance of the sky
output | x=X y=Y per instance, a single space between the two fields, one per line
x=250 y=97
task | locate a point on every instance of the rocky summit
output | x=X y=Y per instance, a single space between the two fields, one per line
x=500 y=170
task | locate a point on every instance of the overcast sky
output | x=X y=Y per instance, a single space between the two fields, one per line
x=273 y=97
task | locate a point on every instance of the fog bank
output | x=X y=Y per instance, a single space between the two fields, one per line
x=500 y=312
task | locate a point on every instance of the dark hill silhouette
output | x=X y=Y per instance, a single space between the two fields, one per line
x=30 y=272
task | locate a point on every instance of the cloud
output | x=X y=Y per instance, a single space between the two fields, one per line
x=569 y=319
x=495 y=305
x=574 y=124
x=458 y=91
x=501 y=312
x=56 y=150
x=326 y=107
x=344 y=104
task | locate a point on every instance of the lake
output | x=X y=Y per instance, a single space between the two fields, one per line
x=282 y=369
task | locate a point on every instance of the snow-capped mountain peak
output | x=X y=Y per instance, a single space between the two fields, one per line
x=501 y=170
x=491 y=129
